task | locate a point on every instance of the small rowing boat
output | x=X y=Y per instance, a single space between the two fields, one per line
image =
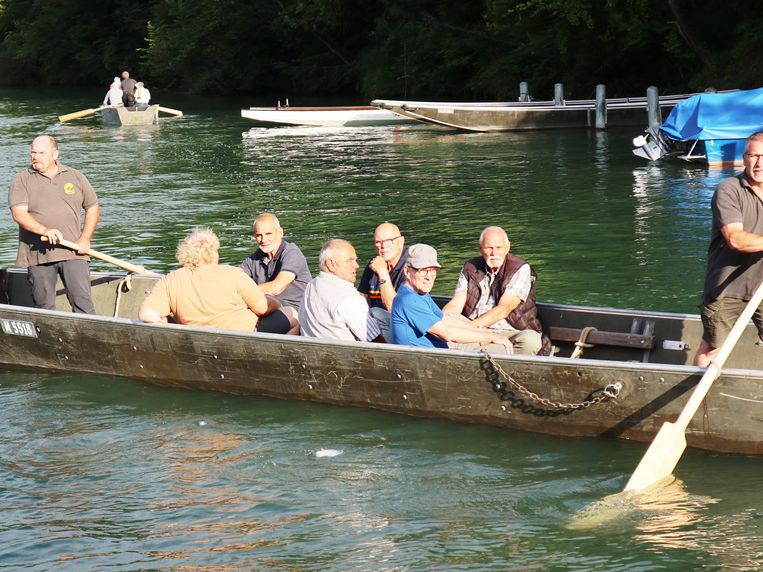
x=131 y=115
x=633 y=376
x=353 y=116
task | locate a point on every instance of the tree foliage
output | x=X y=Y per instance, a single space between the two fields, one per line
x=425 y=49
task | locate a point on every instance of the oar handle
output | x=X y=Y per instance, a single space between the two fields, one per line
x=105 y=257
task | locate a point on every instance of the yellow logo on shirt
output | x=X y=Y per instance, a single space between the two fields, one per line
x=70 y=189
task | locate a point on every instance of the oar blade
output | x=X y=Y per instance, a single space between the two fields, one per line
x=660 y=459
x=169 y=110
x=76 y=115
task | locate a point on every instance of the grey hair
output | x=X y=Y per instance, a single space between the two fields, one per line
x=489 y=228
x=331 y=250
x=262 y=216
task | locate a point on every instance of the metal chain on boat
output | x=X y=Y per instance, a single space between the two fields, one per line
x=611 y=391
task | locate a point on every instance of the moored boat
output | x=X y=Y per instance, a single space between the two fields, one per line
x=633 y=376
x=710 y=128
x=351 y=116
x=522 y=116
x=131 y=115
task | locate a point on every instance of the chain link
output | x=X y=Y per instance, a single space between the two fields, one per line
x=611 y=391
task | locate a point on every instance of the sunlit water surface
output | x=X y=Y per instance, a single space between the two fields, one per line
x=99 y=472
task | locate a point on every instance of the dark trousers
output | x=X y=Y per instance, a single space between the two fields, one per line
x=128 y=99
x=75 y=274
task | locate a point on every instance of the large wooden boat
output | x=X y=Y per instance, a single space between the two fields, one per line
x=352 y=116
x=131 y=115
x=523 y=116
x=633 y=376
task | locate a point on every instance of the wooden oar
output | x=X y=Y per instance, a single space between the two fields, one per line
x=106 y=258
x=669 y=444
x=175 y=112
x=78 y=114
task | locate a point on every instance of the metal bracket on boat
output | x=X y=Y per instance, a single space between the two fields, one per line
x=611 y=391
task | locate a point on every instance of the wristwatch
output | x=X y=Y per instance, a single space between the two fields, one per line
x=382 y=281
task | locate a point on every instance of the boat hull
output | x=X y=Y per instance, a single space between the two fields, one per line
x=131 y=116
x=460 y=386
x=358 y=116
x=486 y=117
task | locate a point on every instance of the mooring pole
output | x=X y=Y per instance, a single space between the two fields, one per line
x=601 y=106
x=524 y=93
x=558 y=94
x=653 y=107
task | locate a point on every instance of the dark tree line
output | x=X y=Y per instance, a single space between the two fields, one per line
x=424 y=49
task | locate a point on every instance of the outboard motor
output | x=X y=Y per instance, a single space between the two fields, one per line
x=652 y=146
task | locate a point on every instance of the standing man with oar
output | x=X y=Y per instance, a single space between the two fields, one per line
x=46 y=200
x=735 y=255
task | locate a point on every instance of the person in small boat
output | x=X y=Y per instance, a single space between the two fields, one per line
x=277 y=266
x=497 y=291
x=114 y=95
x=47 y=200
x=206 y=293
x=332 y=308
x=734 y=259
x=142 y=95
x=417 y=321
x=383 y=274
x=128 y=89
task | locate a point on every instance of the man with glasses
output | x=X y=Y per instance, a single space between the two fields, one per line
x=734 y=259
x=332 y=308
x=383 y=275
x=497 y=291
x=416 y=319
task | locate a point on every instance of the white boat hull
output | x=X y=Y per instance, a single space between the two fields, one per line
x=358 y=116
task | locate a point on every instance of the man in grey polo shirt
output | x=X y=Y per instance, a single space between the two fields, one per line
x=278 y=267
x=332 y=307
x=46 y=200
x=734 y=259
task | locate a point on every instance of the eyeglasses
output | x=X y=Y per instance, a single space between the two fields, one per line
x=386 y=241
x=426 y=271
x=754 y=157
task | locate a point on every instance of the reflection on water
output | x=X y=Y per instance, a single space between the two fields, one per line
x=103 y=473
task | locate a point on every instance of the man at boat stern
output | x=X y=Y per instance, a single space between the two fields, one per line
x=46 y=201
x=497 y=290
x=734 y=257
x=383 y=274
x=417 y=321
x=278 y=267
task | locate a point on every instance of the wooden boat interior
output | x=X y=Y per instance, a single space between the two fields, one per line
x=600 y=333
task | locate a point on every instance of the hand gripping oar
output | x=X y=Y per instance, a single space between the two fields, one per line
x=78 y=114
x=669 y=444
x=106 y=258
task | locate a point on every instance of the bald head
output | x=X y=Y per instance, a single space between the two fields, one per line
x=494 y=246
x=44 y=155
x=389 y=242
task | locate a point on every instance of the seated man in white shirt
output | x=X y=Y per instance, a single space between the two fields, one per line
x=497 y=291
x=332 y=308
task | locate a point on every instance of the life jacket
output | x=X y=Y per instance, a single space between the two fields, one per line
x=525 y=315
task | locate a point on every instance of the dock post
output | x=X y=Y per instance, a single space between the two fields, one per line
x=524 y=93
x=653 y=107
x=601 y=106
x=558 y=94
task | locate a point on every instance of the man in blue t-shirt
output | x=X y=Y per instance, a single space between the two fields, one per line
x=416 y=319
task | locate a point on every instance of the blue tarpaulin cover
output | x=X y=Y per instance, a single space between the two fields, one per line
x=706 y=116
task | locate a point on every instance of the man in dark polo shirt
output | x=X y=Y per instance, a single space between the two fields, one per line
x=128 y=89
x=47 y=200
x=735 y=254
x=277 y=266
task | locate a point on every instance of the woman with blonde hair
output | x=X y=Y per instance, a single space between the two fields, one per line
x=206 y=293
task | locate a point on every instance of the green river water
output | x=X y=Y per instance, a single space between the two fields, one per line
x=105 y=473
